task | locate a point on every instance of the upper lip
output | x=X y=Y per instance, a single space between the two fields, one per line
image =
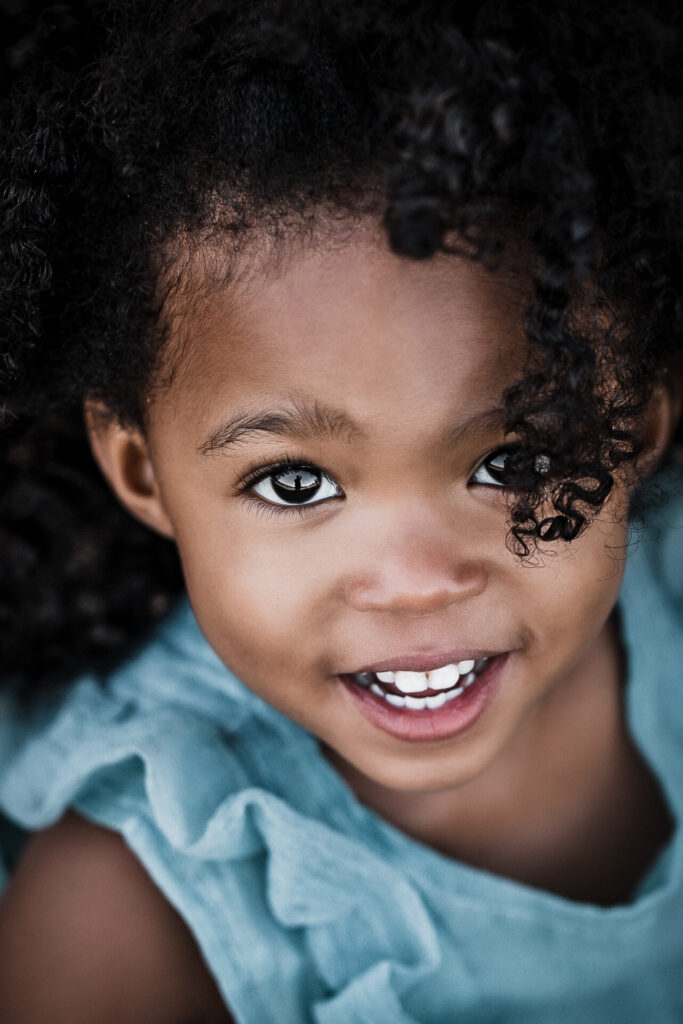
x=427 y=661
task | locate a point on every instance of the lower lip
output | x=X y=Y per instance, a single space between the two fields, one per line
x=442 y=723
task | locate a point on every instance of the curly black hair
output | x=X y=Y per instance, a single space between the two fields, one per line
x=470 y=128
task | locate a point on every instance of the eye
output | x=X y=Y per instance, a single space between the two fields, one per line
x=492 y=471
x=295 y=485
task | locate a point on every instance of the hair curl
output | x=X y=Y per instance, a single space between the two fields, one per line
x=127 y=124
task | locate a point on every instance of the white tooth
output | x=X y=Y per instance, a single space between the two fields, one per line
x=385 y=677
x=470 y=679
x=417 y=703
x=398 y=702
x=436 y=701
x=374 y=688
x=465 y=666
x=411 y=682
x=443 y=678
x=454 y=693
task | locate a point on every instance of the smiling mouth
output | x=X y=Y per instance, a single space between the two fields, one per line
x=420 y=691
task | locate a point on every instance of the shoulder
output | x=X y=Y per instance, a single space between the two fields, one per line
x=87 y=938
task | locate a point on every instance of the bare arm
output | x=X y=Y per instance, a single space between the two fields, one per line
x=87 y=938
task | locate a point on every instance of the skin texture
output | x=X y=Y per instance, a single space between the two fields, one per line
x=406 y=555
x=86 y=938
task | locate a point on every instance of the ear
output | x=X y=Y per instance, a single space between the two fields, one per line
x=123 y=456
x=659 y=426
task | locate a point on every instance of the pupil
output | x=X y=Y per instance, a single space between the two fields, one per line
x=297 y=485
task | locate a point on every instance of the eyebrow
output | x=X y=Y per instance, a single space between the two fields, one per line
x=302 y=419
x=312 y=420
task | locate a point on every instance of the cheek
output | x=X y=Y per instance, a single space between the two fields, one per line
x=254 y=595
x=576 y=590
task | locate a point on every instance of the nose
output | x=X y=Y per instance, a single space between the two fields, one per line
x=418 y=570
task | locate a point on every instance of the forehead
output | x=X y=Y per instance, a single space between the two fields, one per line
x=342 y=319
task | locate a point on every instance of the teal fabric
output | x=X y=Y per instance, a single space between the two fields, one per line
x=308 y=907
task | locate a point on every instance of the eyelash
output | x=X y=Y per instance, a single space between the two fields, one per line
x=258 y=471
x=264 y=508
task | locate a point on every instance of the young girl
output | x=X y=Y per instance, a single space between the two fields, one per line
x=342 y=616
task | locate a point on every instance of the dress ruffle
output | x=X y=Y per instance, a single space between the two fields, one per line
x=280 y=902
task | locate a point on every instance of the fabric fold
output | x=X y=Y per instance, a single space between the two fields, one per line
x=168 y=780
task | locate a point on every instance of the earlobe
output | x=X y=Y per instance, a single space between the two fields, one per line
x=123 y=457
x=659 y=426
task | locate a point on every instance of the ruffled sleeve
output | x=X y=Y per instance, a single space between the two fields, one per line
x=296 y=920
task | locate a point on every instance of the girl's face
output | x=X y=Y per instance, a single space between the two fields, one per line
x=383 y=546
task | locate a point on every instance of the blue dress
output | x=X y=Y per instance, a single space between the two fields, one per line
x=307 y=906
